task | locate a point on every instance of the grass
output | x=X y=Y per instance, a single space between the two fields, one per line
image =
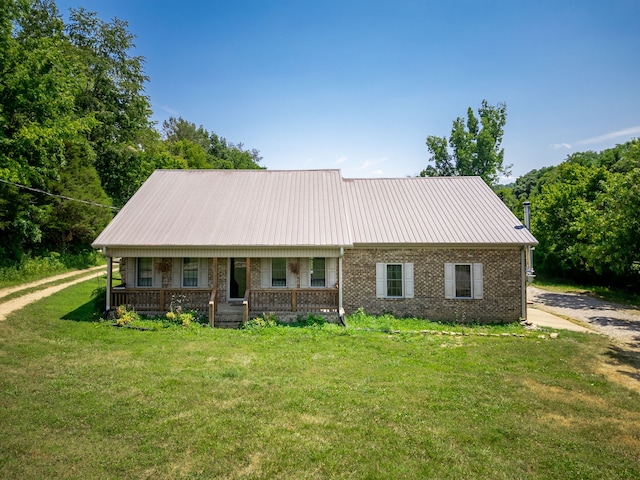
x=81 y=399
x=31 y=269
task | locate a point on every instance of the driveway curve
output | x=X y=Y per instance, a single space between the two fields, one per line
x=23 y=300
x=617 y=321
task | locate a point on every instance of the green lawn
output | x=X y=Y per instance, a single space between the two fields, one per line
x=80 y=399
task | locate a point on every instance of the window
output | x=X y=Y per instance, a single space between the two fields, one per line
x=463 y=280
x=394 y=280
x=145 y=272
x=318 y=272
x=190 y=272
x=278 y=272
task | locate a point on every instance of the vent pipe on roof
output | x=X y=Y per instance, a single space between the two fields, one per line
x=529 y=260
x=527 y=215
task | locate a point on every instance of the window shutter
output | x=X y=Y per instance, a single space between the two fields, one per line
x=176 y=273
x=449 y=280
x=407 y=273
x=157 y=274
x=203 y=273
x=305 y=273
x=265 y=272
x=477 y=281
x=132 y=272
x=331 y=271
x=381 y=290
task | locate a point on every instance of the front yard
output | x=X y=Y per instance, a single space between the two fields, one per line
x=80 y=399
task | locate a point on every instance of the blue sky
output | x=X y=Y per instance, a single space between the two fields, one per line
x=358 y=85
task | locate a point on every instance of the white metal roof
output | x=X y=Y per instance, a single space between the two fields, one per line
x=430 y=210
x=233 y=208
x=270 y=208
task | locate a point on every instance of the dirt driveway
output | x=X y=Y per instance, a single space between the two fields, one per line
x=23 y=300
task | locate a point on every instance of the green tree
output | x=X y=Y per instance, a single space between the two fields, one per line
x=38 y=118
x=475 y=146
x=114 y=94
x=74 y=224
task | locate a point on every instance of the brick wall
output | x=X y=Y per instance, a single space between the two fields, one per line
x=501 y=281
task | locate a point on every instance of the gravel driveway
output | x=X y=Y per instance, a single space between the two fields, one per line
x=620 y=322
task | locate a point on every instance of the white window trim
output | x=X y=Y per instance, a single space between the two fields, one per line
x=407 y=280
x=197 y=285
x=477 y=281
x=286 y=273
x=137 y=273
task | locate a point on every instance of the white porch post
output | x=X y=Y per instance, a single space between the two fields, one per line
x=340 y=280
x=109 y=277
x=523 y=280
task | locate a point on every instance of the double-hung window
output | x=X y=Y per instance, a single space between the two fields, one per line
x=145 y=272
x=190 y=272
x=317 y=268
x=394 y=280
x=278 y=272
x=463 y=280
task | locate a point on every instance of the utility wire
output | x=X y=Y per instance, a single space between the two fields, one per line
x=59 y=196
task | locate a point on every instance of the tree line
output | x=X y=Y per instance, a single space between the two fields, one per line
x=75 y=123
x=585 y=211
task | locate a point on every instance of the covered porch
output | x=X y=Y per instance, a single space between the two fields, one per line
x=232 y=290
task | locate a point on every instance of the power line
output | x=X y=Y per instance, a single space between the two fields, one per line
x=59 y=196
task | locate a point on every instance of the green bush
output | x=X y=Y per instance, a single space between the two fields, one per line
x=309 y=321
x=266 y=321
x=125 y=315
x=179 y=317
x=33 y=268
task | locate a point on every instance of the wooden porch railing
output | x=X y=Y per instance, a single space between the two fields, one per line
x=162 y=299
x=293 y=300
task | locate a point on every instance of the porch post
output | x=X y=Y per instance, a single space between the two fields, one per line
x=340 y=280
x=109 y=277
x=248 y=275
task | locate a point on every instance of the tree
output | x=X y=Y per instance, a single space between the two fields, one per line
x=475 y=146
x=114 y=94
x=41 y=79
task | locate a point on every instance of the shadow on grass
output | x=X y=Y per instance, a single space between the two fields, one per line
x=84 y=313
x=627 y=355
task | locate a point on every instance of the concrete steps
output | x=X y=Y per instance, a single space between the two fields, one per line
x=228 y=316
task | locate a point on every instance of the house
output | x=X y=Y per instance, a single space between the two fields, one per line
x=243 y=242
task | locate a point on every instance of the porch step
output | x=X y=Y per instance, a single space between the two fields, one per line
x=228 y=320
x=228 y=316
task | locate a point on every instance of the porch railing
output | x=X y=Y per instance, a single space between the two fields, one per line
x=293 y=300
x=161 y=299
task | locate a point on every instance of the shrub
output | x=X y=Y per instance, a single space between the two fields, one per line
x=125 y=315
x=184 y=318
x=266 y=321
x=309 y=321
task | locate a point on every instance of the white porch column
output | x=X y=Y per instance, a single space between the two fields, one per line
x=109 y=277
x=523 y=280
x=340 y=280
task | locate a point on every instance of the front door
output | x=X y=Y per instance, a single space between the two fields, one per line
x=237 y=278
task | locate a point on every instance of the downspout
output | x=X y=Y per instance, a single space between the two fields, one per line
x=526 y=260
x=340 y=309
x=529 y=249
